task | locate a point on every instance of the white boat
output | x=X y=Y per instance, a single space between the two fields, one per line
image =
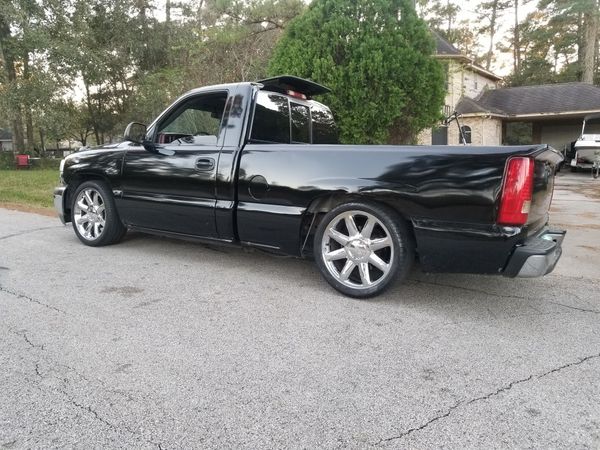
x=587 y=146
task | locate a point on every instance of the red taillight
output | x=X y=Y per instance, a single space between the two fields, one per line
x=517 y=190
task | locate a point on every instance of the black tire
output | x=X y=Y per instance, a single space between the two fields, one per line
x=573 y=169
x=398 y=255
x=112 y=230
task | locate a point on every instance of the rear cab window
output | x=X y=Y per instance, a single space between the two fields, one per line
x=285 y=120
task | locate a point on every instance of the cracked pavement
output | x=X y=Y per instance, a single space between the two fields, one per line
x=156 y=343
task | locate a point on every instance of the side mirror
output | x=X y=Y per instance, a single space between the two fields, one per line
x=135 y=132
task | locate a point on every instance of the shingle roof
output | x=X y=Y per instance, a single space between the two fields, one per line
x=5 y=135
x=443 y=46
x=538 y=99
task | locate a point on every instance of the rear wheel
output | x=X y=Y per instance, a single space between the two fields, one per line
x=362 y=249
x=94 y=215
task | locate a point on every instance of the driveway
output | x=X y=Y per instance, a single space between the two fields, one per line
x=156 y=343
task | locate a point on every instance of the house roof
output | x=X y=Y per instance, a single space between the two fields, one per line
x=5 y=135
x=534 y=100
x=445 y=50
x=443 y=47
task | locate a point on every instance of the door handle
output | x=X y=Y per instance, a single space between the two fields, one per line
x=205 y=163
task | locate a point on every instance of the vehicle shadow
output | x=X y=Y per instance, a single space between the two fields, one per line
x=453 y=298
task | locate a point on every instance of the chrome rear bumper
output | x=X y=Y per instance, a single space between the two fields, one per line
x=537 y=256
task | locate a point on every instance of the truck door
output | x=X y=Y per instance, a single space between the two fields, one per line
x=176 y=192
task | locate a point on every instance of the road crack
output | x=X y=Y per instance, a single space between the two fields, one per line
x=117 y=428
x=487 y=396
x=31 y=299
x=594 y=311
x=21 y=233
x=23 y=334
x=510 y=296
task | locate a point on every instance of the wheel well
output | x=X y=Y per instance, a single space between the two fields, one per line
x=72 y=186
x=322 y=205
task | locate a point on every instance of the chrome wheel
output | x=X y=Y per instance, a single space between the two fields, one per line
x=357 y=249
x=89 y=214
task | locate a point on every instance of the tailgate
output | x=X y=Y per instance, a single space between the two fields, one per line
x=546 y=162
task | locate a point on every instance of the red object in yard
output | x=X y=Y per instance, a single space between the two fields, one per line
x=23 y=162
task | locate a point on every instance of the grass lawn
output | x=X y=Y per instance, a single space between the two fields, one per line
x=32 y=188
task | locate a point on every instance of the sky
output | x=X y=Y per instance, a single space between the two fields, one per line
x=503 y=64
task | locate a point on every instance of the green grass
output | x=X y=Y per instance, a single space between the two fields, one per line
x=28 y=187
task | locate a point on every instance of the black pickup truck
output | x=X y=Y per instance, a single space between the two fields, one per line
x=259 y=164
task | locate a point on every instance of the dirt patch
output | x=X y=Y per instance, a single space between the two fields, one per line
x=593 y=192
x=589 y=247
x=49 y=212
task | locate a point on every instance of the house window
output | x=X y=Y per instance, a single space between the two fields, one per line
x=466 y=132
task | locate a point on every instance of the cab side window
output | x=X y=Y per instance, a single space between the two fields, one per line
x=196 y=122
x=324 y=129
x=271 y=119
x=282 y=120
x=300 y=123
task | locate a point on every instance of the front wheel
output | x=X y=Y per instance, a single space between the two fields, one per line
x=361 y=249
x=94 y=215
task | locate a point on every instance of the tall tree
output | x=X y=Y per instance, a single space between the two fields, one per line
x=490 y=12
x=516 y=39
x=591 y=12
x=572 y=26
x=439 y=14
x=29 y=37
x=376 y=56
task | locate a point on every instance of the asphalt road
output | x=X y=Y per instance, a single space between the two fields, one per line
x=156 y=343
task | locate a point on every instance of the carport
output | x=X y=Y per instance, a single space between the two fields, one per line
x=550 y=114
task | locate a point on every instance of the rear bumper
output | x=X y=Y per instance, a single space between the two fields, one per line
x=59 y=203
x=537 y=256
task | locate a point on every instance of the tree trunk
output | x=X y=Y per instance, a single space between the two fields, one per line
x=517 y=40
x=42 y=141
x=589 y=50
x=29 y=128
x=488 y=58
x=88 y=100
x=18 y=137
x=399 y=134
x=11 y=76
x=580 y=32
x=27 y=107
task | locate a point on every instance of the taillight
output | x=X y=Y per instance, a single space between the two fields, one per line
x=517 y=191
